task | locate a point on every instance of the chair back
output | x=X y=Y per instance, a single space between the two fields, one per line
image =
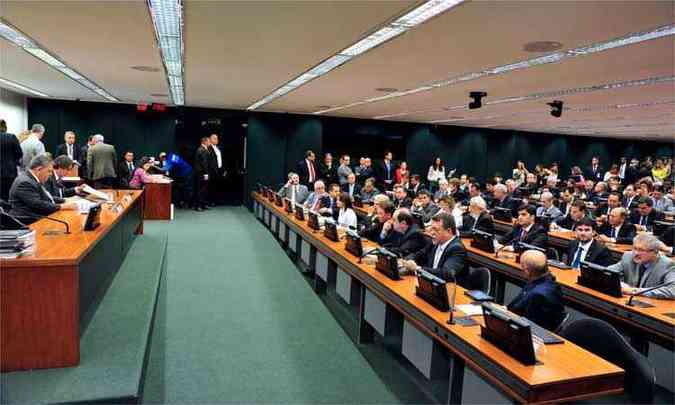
x=478 y=279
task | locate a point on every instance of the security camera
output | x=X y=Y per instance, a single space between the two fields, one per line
x=476 y=96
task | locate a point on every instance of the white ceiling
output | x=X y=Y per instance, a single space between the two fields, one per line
x=237 y=52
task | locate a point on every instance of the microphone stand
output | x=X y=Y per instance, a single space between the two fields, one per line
x=630 y=300
x=451 y=319
x=66 y=232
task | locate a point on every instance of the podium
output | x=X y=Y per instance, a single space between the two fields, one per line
x=157 y=201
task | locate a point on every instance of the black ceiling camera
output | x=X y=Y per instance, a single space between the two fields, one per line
x=476 y=96
x=556 y=108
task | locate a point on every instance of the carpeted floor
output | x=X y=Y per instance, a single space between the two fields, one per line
x=243 y=326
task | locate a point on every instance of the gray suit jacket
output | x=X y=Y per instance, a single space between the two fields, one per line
x=300 y=195
x=101 y=161
x=343 y=171
x=29 y=198
x=31 y=147
x=660 y=272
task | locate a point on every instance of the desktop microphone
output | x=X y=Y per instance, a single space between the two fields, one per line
x=451 y=320
x=630 y=300
x=3 y=212
x=45 y=217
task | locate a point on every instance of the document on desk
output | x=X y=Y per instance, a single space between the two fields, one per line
x=92 y=193
x=83 y=205
x=470 y=309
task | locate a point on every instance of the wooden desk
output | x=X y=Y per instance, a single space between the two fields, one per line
x=566 y=372
x=157 y=201
x=648 y=322
x=49 y=298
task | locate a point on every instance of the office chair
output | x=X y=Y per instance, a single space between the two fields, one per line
x=478 y=279
x=602 y=339
x=552 y=254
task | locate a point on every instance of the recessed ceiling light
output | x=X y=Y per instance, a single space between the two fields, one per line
x=167 y=19
x=391 y=30
x=146 y=69
x=542 y=46
x=386 y=89
x=29 y=45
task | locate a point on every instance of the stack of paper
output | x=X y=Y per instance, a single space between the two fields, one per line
x=95 y=194
x=15 y=243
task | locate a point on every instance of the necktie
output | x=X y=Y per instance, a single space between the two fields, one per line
x=293 y=191
x=48 y=194
x=317 y=200
x=641 y=274
x=577 y=257
x=523 y=235
x=310 y=166
x=642 y=220
x=614 y=233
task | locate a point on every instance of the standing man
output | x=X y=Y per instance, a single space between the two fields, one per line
x=84 y=152
x=595 y=172
x=307 y=169
x=126 y=169
x=344 y=170
x=201 y=175
x=69 y=148
x=10 y=158
x=101 y=162
x=351 y=187
x=385 y=171
x=33 y=145
x=217 y=169
x=328 y=170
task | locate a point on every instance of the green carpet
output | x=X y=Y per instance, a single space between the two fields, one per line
x=243 y=326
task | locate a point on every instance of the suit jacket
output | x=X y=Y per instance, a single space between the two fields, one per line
x=660 y=272
x=124 y=175
x=328 y=174
x=202 y=162
x=597 y=253
x=427 y=212
x=596 y=175
x=11 y=155
x=77 y=152
x=537 y=236
x=482 y=223
x=368 y=196
x=301 y=193
x=552 y=212
x=373 y=231
x=566 y=222
x=540 y=301
x=342 y=172
x=381 y=172
x=404 y=203
x=412 y=191
x=84 y=152
x=101 y=161
x=630 y=205
x=31 y=147
x=345 y=189
x=410 y=242
x=452 y=263
x=626 y=232
x=28 y=198
x=214 y=170
x=303 y=172
x=325 y=200
x=58 y=190
x=507 y=202
x=649 y=219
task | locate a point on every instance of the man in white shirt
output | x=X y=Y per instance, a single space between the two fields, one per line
x=217 y=171
x=293 y=190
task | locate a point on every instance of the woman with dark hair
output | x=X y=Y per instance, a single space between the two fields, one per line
x=346 y=215
x=436 y=174
x=401 y=172
x=141 y=176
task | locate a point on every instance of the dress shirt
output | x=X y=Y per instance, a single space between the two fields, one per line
x=584 y=251
x=43 y=187
x=439 y=252
x=218 y=157
x=310 y=169
x=69 y=149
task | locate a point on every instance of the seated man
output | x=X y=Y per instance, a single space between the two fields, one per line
x=447 y=204
x=502 y=200
x=525 y=231
x=368 y=192
x=442 y=190
x=318 y=197
x=351 y=187
x=28 y=196
x=423 y=206
x=401 y=199
x=374 y=230
x=643 y=218
x=644 y=267
x=547 y=208
x=329 y=207
x=410 y=238
x=445 y=257
x=585 y=248
x=569 y=222
x=603 y=210
x=415 y=186
x=540 y=300
x=54 y=184
x=477 y=217
x=617 y=229
x=600 y=192
x=293 y=190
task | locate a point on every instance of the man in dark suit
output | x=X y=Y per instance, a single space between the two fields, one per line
x=410 y=239
x=351 y=187
x=595 y=172
x=415 y=186
x=645 y=215
x=374 y=230
x=70 y=149
x=401 y=199
x=328 y=170
x=526 y=230
x=424 y=207
x=585 y=248
x=28 y=196
x=125 y=169
x=617 y=229
x=502 y=200
x=569 y=222
x=201 y=175
x=540 y=300
x=630 y=198
x=84 y=152
x=329 y=206
x=54 y=185
x=445 y=258
x=216 y=171
x=477 y=217
x=11 y=155
x=603 y=210
x=307 y=169
x=384 y=172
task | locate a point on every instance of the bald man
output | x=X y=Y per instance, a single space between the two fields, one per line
x=540 y=301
